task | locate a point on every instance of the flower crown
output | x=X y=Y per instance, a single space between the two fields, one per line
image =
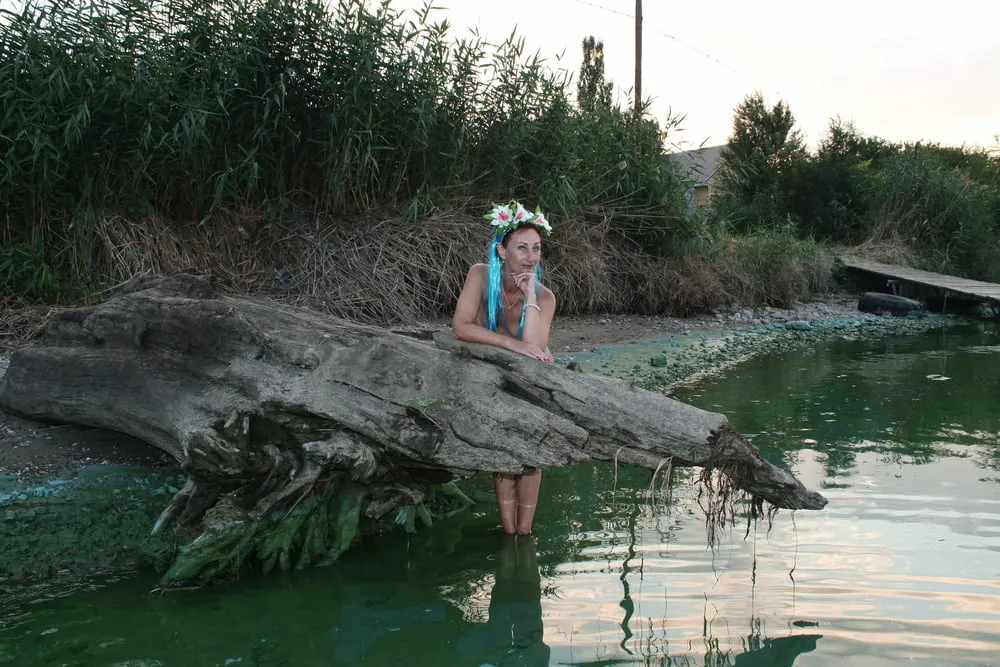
x=506 y=217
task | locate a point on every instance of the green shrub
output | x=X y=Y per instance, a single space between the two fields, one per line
x=24 y=271
x=776 y=267
x=950 y=219
x=833 y=189
x=183 y=110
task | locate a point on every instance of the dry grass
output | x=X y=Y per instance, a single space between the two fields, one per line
x=381 y=269
x=384 y=270
x=886 y=249
x=19 y=323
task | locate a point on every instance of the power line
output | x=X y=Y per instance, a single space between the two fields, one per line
x=606 y=9
x=673 y=38
x=706 y=55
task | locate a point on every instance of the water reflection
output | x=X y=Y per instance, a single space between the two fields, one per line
x=758 y=651
x=780 y=652
x=513 y=632
x=847 y=398
x=900 y=568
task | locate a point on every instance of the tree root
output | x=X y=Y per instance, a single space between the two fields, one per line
x=443 y=493
x=313 y=520
x=175 y=506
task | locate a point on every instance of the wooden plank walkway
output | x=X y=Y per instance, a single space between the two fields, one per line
x=973 y=288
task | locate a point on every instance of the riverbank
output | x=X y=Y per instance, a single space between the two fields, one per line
x=31 y=451
x=79 y=499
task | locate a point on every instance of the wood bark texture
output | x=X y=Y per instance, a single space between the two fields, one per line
x=260 y=403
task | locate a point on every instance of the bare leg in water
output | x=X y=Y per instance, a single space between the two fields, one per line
x=517 y=496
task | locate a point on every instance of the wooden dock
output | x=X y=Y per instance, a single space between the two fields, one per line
x=973 y=289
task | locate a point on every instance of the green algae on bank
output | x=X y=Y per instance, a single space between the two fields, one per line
x=664 y=363
x=95 y=519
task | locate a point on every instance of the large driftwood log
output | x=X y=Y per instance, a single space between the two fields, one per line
x=270 y=409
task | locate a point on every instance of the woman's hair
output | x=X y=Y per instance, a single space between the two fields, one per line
x=507 y=218
x=505 y=236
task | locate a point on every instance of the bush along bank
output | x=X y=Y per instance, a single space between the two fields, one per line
x=233 y=115
x=920 y=204
x=340 y=156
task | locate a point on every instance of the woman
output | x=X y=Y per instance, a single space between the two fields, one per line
x=504 y=303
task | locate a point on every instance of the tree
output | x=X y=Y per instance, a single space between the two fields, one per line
x=593 y=93
x=764 y=151
x=835 y=188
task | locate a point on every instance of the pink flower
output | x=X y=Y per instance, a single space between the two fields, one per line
x=540 y=222
x=521 y=214
x=500 y=216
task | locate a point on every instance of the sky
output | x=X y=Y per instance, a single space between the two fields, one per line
x=900 y=70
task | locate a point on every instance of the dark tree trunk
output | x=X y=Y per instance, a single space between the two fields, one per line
x=291 y=426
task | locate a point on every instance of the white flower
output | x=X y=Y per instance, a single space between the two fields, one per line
x=505 y=217
x=501 y=216
x=539 y=221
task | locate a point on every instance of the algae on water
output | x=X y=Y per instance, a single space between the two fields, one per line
x=94 y=519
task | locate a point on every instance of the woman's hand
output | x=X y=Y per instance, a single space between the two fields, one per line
x=526 y=283
x=533 y=351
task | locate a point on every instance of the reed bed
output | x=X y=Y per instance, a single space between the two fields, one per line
x=330 y=155
x=387 y=270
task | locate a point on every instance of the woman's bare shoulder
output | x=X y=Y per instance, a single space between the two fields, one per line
x=477 y=272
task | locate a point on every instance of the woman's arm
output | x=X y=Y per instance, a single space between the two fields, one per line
x=538 y=321
x=465 y=323
x=539 y=309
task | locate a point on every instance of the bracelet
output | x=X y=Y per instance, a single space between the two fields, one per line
x=532 y=305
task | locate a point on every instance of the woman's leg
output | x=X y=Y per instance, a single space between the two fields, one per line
x=528 y=485
x=505 y=487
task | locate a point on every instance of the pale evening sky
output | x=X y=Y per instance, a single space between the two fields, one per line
x=899 y=70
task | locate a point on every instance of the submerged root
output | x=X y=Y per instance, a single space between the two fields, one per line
x=666 y=489
x=303 y=480
x=448 y=500
x=737 y=478
x=720 y=501
x=312 y=524
x=175 y=506
x=723 y=501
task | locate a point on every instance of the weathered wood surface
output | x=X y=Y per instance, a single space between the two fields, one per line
x=974 y=288
x=261 y=404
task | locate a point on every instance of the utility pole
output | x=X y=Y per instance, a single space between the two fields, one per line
x=638 y=57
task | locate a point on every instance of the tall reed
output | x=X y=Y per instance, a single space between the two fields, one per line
x=192 y=110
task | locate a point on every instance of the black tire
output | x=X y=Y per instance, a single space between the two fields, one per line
x=881 y=304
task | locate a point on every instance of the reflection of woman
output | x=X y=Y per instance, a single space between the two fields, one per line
x=504 y=303
x=515 y=603
x=512 y=633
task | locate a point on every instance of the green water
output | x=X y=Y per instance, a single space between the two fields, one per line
x=902 y=567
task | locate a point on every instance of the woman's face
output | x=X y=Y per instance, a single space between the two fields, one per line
x=521 y=250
